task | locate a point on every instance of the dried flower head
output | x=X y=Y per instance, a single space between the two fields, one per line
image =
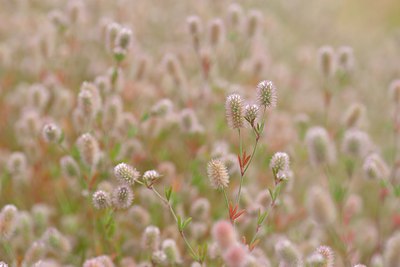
x=125 y=173
x=216 y=31
x=69 y=166
x=326 y=61
x=391 y=255
x=17 y=163
x=320 y=206
x=320 y=148
x=151 y=238
x=122 y=197
x=266 y=94
x=171 y=251
x=200 y=209
x=288 y=253
x=124 y=38
x=55 y=241
x=354 y=115
x=218 y=174
x=234 y=111
x=253 y=23
x=101 y=200
x=159 y=257
x=345 y=59
x=356 y=143
x=375 y=167
x=8 y=221
x=112 y=31
x=51 y=132
x=195 y=29
x=235 y=16
x=88 y=149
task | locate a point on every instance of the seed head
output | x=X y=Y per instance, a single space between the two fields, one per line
x=124 y=38
x=326 y=60
x=253 y=23
x=356 y=143
x=88 y=149
x=8 y=222
x=51 y=133
x=354 y=115
x=112 y=30
x=151 y=238
x=125 y=173
x=266 y=94
x=35 y=252
x=17 y=163
x=200 y=209
x=216 y=31
x=234 y=111
x=171 y=251
x=235 y=16
x=122 y=197
x=320 y=206
x=69 y=166
x=375 y=167
x=159 y=257
x=288 y=253
x=320 y=148
x=345 y=59
x=195 y=29
x=218 y=174
x=101 y=200
x=391 y=254
x=55 y=241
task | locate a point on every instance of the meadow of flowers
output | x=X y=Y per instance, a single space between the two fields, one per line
x=199 y=133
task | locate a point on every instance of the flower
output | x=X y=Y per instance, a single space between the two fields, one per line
x=234 y=111
x=218 y=174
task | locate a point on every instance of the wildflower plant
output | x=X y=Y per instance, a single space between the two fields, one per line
x=133 y=138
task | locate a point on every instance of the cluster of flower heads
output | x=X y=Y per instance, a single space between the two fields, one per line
x=236 y=111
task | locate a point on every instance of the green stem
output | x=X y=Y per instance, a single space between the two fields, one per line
x=166 y=202
x=226 y=200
